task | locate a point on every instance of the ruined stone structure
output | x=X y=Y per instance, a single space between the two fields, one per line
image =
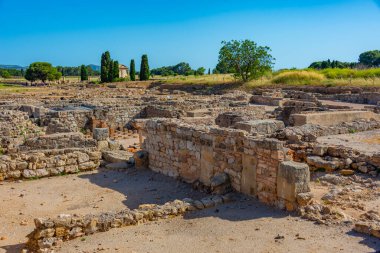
x=200 y=153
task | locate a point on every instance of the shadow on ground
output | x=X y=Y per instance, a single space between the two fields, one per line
x=142 y=186
x=148 y=187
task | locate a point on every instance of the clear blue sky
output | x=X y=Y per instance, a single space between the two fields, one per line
x=71 y=32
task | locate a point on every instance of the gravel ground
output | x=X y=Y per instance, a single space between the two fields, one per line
x=242 y=226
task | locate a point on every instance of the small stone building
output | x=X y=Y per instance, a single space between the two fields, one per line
x=123 y=71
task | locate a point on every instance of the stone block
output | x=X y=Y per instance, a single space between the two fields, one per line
x=101 y=134
x=293 y=178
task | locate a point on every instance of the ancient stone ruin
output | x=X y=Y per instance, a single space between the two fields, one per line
x=311 y=151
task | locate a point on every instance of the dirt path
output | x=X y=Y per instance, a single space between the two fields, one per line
x=243 y=226
x=239 y=227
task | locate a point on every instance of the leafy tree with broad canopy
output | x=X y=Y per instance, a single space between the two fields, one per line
x=370 y=58
x=247 y=60
x=42 y=71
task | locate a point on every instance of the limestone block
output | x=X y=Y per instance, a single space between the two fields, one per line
x=293 y=178
x=102 y=145
x=101 y=134
x=248 y=178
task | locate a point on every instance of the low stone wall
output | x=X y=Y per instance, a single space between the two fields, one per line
x=332 y=118
x=58 y=141
x=44 y=163
x=199 y=153
x=310 y=132
x=51 y=233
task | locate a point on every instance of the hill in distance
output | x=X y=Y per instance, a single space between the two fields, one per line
x=4 y=66
x=12 y=67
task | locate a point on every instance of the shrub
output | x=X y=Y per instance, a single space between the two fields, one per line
x=298 y=78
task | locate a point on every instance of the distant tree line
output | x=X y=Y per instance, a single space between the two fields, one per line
x=75 y=71
x=369 y=59
x=182 y=68
x=7 y=73
x=332 y=65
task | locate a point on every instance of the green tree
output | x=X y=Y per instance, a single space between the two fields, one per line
x=115 y=70
x=42 y=71
x=144 y=68
x=105 y=67
x=200 y=71
x=5 y=74
x=370 y=58
x=222 y=68
x=209 y=71
x=132 y=71
x=248 y=60
x=83 y=73
x=110 y=71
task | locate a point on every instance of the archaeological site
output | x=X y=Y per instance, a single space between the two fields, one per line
x=136 y=168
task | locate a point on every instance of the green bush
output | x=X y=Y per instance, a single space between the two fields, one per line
x=298 y=78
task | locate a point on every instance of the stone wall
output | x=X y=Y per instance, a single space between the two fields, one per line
x=58 y=141
x=199 y=153
x=36 y=164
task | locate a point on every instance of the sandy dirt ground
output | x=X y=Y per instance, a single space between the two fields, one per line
x=242 y=226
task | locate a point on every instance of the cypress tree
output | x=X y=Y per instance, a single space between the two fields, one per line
x=115 y=69
x=132 y=72
x=83 y=73
x=110 y=71
x=144 y=69
x=104 y=67
x=209 y=71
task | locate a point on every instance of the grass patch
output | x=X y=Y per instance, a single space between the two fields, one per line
x=298 y=78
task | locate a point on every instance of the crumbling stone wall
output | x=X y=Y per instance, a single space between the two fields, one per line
x=199 y=153
x=46 y=163
x=58 y=141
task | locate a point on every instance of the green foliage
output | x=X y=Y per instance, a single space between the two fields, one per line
x=5 y=74
x=182 y=68
x=144 y=69
x=222 y=68
x=42 y=71
x=105 y=64
x=351 y=73
x=83 y=73
x=332 y=64
x=76 y=71
x=115 y=70
x=132 y=71
x=110 y=72
x=370 y=58
x=298 y=78
x=200 y=71
x=247 y=60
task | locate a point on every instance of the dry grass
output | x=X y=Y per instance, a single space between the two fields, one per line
x=298 y=78
x=203 y=80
